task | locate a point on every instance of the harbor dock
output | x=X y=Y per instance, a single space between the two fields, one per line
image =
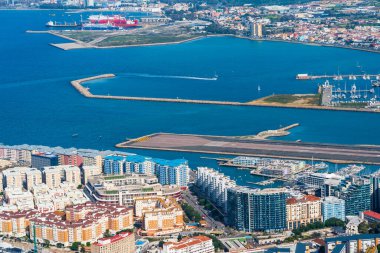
x=224 y=145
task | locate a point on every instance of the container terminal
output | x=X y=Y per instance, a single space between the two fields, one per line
x=252 y=147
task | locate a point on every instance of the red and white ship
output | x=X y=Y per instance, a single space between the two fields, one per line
x=115 y=20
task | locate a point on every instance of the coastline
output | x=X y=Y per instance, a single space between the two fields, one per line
x=87 y=45
x=77 y=84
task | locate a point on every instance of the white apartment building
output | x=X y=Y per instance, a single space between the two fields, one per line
x=214 y=184
x=89 y=171
x=33 y=177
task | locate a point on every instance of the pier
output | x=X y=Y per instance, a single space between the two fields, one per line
x=77 y=84
x=257 y=148
x=338 y=77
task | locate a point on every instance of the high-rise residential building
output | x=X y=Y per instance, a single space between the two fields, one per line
x=33 y=177
x=123 y=242
x=303 y=211
x=52 y=176
x=140 y=165
x=356 y=193
x=256 y=29
x=375 y=192
x=40 y=160
x=196 y=244
x=114 y=164
x=332 y=207
x=257 y=210
x=72 y=174
x=214 y=184
x=172 y=172
x=14 y=177
x=14 y=154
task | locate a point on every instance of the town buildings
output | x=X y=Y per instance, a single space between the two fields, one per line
x=332 y=207
x=123 y=242
x=303 y=211
x=196 y=244
x=81 y=223
x=257 y=210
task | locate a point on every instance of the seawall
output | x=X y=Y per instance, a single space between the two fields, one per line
x=77 y=84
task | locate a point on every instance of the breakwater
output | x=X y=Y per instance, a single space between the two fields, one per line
x=77 y=84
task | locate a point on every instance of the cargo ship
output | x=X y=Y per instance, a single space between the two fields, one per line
x=63 y=25
x=103 y=22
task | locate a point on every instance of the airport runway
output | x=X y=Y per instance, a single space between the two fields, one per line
x=262 y=148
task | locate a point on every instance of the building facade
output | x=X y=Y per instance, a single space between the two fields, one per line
x=257 y=210
x=214 y=185
x=40 y=160
x=303 y=211
x=82 y=223
x=333 y=207
x=123 y=242
x=159 y=216
x=196 y=244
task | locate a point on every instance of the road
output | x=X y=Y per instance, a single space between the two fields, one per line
x=192 y=200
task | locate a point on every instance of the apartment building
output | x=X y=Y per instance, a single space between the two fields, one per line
x=196 y=244
x=123 y=242
x=303 y=211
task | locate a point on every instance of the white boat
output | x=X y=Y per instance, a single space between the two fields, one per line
x=321 y=165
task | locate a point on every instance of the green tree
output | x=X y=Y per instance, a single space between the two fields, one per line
x=75 y=246
x=161 y=244
x=46 y=243
x=107 y=233
x=363 y=228
x=334 y=222
x=88 y=244
x=60 y=245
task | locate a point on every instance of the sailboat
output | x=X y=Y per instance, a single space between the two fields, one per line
x=258 y=88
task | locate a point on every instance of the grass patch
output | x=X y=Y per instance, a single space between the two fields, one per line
x=85 y=36
x=130 y=39
x=293 y=99
x=352 y=105
x=111 y=192
x=113 y=177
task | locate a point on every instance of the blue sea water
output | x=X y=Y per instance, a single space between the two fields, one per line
x=39 y=106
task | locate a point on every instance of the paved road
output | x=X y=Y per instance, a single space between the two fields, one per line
x=192 y=200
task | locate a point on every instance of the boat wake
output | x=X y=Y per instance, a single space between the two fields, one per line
x=215 y=78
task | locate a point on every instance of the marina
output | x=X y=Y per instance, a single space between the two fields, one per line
x=259 y=148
